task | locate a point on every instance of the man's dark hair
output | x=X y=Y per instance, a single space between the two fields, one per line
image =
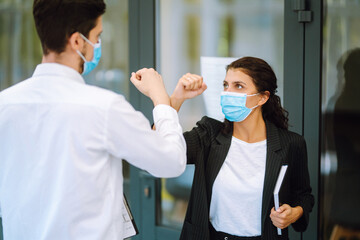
x=57 y=20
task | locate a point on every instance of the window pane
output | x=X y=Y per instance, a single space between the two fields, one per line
x=340 y=161
x=190 y=29
x=19 y=44
x=113 y=70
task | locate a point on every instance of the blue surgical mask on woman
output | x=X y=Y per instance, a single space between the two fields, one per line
x=90 y=65
x=233 y=106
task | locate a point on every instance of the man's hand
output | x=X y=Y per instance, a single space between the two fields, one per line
x=189 y=86
x=285 y=215
x=150 y=83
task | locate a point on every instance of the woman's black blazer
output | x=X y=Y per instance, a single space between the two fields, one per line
x=207 y=147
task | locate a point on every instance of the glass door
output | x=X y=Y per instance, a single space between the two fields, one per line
x=189 y=30
x=184 y=32
x=172 y=36
x=340 y=158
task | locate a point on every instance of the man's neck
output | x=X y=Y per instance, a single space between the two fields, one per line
x=62 y=58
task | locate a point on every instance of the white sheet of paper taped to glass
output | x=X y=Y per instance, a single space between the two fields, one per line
x=213 y=70
x=277 y=190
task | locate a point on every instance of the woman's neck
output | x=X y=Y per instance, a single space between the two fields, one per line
x=252 y=129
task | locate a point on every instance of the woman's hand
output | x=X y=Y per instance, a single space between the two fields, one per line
x=285 y=215
x=189 y=86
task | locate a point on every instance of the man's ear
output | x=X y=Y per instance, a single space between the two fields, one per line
x=264 y=98
x=75 y=41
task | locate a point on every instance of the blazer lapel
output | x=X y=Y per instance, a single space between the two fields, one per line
x=217 y=155
x=273 y=165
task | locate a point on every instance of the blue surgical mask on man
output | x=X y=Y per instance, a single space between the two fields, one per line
x=90 y=65
x=233 y=106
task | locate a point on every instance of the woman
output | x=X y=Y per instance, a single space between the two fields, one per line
x=237 y=161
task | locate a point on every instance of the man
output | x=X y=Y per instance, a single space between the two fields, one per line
x=62 y=141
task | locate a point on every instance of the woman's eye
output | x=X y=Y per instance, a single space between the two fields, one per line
x=238 y=86
x=225 y=85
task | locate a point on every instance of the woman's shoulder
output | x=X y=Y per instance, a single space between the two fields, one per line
x=290 y=137
x=209 y=120
x=209 y=126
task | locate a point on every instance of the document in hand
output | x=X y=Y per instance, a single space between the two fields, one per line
x=277 y=190
x=130 y=228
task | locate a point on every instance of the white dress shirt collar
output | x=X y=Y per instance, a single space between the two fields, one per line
x=56 y=69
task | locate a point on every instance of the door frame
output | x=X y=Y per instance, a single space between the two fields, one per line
x=302 y=99
x=302 y=92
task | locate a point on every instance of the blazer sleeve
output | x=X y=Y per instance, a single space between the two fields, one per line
x=198 y=140
x=301 y=189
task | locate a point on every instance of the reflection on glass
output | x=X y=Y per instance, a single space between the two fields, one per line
x=112 y=72
x=340 y=162
x=190 y=29
x=19 y=44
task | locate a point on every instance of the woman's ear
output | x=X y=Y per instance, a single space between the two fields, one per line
x=264 y=98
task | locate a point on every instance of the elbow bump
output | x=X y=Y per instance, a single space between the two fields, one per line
x=180 y=166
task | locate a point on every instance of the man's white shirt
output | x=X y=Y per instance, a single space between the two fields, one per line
x=61 y=148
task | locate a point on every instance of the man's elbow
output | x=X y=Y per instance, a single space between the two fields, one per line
x=181 y=166
x=175 y=166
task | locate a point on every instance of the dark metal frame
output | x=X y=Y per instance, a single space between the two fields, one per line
x=302 y=98
x=302 y=90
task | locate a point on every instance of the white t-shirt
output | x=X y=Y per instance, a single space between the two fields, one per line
x=236 y=200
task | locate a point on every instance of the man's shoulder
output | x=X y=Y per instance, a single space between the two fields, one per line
x=13 y=91
x=58 y=90
x=100 y=92
x=97 y=96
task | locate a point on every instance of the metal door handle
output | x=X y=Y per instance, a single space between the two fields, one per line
x=147 y=191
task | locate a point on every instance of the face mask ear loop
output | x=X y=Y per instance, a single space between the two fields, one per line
x=82 y=56
x=87 y=40
x=254 y=107
x=251 y=96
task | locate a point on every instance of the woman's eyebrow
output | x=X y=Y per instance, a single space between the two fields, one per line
x=237 y=82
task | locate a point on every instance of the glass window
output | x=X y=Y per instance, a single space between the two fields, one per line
x=188 y=30
x=19 y=44
x=340 y=160
x=21 y=48
x=113 y=70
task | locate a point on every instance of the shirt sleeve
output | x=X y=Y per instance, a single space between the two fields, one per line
x=129 y=136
